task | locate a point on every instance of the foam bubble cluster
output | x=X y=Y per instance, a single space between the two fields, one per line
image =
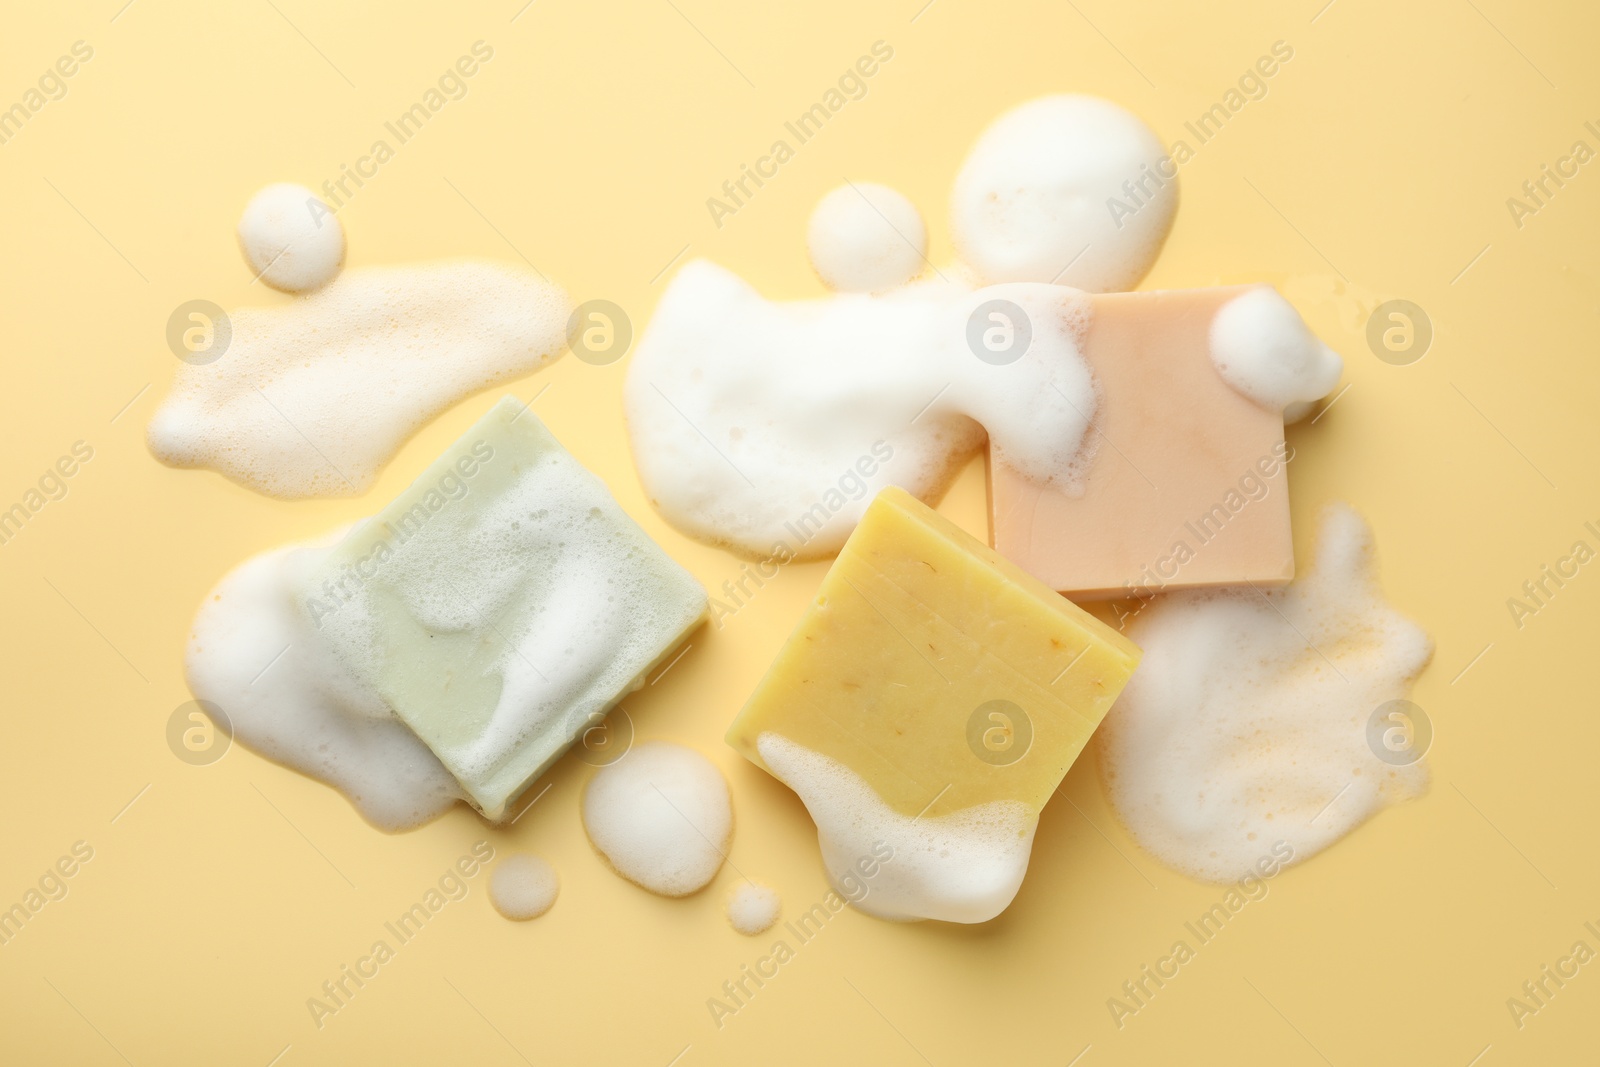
x=753 y=908
x=254 y=653
x=312 y=399
x=764 y=426
x=1068 y=189
x=290 y=238
x=1246 y=723
x=662 y=816
x=523 y=886
x=865 y=238
x=964 y=866
x=756 y=423
x=1262 y=348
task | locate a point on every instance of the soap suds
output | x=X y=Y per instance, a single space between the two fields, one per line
x=290 y=238
x=254 y=654
x=865 y=238
x=755 y=422
x=523 y=886
x=313 y=398
x=1262 y=348
x=302 y=650
x=1246 y=722
x=1067 y=189
x=662 y=816
x=963 y=867
x=762 y=425
x=752 y=908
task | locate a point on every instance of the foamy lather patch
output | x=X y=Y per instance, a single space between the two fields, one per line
x=964 y=867
x=1246 y=721
x=744 y=413
x=313 y=398
x=755 y=423
x=255 y=653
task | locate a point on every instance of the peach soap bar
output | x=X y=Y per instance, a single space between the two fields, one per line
x=1187 y=486
x=936 y=672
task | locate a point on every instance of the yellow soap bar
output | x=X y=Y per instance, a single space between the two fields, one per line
x=938 y=671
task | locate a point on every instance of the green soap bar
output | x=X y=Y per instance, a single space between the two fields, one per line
x=501 y=604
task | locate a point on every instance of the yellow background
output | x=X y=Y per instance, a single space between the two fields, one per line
x=1380 y=160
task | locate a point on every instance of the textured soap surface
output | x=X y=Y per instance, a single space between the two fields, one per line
x=919 y=632
x=501 y=604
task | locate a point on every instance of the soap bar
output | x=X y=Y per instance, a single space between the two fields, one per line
x=947 y=680
x=1187 y=486
x=501 y=604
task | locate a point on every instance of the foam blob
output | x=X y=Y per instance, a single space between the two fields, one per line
x=753 y=908
x=662 y=816
x=964 y=867
x=1263 y=349
x=314 y=398
x=865 y=238
x=758 y=424
x=523 y=886
x=256 y=655
x=290 y=238
x=1065 y=180
x=1246 y=723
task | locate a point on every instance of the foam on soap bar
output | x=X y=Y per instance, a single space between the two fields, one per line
x=1247 y=723
x=1191 y=488
x=1262 y=348
x=963 y=866
x=756 y=423
x=767 y=426
x=313 y=398
x=501 y=604
x=254 y=654
x=662 y=816
x=1067 y=189
x=925 y=709
x=290 y=238
x=865 y=238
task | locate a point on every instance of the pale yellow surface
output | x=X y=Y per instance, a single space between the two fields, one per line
x=225 y=895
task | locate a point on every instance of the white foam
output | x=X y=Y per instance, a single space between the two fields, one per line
x=1246 y=722
x=528 y=579
x=753 y=908
x=662 y=816
x=755 y=422
x=523 y=886
x=313 y=398
x=290 y=238
x=1262 y=348
x=254 y=654
x=865 y=238
x=963 y=867
x=1035 y=199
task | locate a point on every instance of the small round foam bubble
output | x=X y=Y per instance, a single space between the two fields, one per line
x=1263 y=349
x=1067 y=189
x=865 y=238
x=290 y=238
x=662 y=816
x=753 y=908
x=523 y=886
